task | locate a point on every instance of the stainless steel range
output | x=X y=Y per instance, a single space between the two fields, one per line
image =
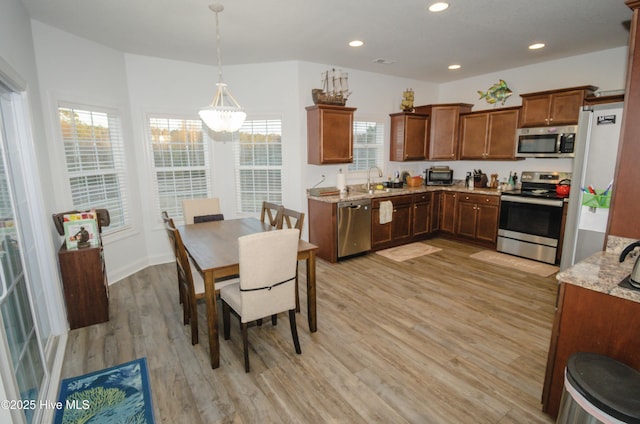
x=531 y=218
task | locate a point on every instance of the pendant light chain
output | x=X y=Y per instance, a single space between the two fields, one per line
x=217 y=10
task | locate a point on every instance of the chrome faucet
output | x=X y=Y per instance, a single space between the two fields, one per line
x=369 y=176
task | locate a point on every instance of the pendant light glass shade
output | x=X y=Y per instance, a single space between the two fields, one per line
x=224 y=113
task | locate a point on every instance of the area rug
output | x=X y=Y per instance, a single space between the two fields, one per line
x=119 y=394
x=408 y=251
x=521 y=264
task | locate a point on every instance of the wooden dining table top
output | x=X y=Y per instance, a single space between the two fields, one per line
x=214 y=245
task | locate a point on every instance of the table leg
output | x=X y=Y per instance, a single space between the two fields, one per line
x=311 y=292
x=212 y=318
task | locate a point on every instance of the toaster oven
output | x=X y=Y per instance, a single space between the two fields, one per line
x=439 y=175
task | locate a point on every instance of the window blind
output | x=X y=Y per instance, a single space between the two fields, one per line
x=180 y=162
x=258 y=157
x=368 y=143
x=94 y=153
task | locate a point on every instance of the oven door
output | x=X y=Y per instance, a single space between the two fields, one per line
x=530 y=227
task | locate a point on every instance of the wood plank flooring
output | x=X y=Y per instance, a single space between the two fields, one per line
x=437 y=339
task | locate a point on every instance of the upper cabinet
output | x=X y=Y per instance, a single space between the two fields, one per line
x=329 y=134
x=409 y=133
x=489 y=134
x=443 y=132
x=554 y=107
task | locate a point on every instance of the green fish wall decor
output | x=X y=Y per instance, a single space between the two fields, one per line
x=496 y=93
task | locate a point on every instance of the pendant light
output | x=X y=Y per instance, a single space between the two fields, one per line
x=224 y=113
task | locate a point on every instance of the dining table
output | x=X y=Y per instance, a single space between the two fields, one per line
x=213 y=247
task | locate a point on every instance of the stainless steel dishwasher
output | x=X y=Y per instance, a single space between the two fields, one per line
x=354 y=227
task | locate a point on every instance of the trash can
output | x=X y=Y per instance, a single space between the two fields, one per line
x=599 y=389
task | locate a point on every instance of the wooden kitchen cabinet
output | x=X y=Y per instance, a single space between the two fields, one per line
x=396 y=232
x=443 y=131
x=329 y=134
x=323 y=221
x=588 y=321
x=409 y=133
x=553 y=107
x=86 y=290
x=489 y=135
x=436 y=197
x=448 y=212
x=477 y=217
x=422 y=215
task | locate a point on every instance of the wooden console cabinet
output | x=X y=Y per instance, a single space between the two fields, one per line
x=86 y=290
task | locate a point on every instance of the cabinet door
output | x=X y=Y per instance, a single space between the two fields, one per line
x=401 y=223
x=329 y=134
x=421 y=215
x=448 y=215
x=473 y=135
x=487 y=222
x=535 y=111
x=501 y=135
x=408 y=137
x=565 y=107
x=466 y=220
x=443 y=135
x=380 y=233
x=435 y=211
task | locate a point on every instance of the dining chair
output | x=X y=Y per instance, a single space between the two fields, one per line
x=201 y=210
x=266 y=284
x=272 y=212
x=191 y=283
x=168 y=222
x=294 y=219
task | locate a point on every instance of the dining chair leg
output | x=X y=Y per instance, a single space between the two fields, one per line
x=297 y=291
x=274 y=319
x=294 y=330
x=193 y=319
x=226 y=324
x=245 y=345
x=185 y=311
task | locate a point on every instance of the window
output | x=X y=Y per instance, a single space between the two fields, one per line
x=180 y=162
x=259 y=164
x=94 y=152
x=368 y=143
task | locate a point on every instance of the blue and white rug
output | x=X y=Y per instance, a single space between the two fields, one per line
x=115 y=395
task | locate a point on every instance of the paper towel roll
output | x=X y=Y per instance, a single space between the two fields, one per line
x=341 y=181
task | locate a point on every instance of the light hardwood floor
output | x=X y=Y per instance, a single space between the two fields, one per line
x=437 y=339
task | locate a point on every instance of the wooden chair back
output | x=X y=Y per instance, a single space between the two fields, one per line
x=292 y=219
x=272 y=212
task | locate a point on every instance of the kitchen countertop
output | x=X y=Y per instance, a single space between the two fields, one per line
x=603 y=272
x=357 y=195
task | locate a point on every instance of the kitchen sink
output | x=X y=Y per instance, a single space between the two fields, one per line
x=363 y=189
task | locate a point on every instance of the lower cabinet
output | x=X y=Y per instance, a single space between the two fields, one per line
x=448 y=212
x=477 y=217
x=86 y=290
x=422 y=215
x=396 y=232
x=323 y=221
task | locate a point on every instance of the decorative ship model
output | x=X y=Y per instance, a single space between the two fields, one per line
x=335 y=89
x=407 y=100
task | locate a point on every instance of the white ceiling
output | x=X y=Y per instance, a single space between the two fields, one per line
x=482 y=35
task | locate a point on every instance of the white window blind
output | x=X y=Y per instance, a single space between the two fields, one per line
x=180 y=162
x=258 y=155
x=368 y=143
x=94 y=153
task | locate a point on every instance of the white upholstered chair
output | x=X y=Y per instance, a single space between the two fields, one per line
x=205 y=208
x=267 y=283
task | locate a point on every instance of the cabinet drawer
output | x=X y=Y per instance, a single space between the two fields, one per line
x=396 y=200
x=479 y=198
x=422 y=197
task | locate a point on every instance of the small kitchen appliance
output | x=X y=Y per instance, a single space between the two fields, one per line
x=439 y=175
x=634 y=278
x=546 y=142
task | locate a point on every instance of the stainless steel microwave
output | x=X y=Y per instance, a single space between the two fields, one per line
x=546 y=142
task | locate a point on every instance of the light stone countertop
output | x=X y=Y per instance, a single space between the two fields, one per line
x=603 y=272
x=357 y=195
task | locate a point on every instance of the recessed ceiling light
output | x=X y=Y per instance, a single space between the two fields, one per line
x=356 y=43
x=438 y=7
x=454 y=66
x=536 y=46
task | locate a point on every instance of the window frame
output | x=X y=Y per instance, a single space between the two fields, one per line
x=120 y=169
x=380 y=135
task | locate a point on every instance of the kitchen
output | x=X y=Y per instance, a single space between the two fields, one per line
x=131 y=82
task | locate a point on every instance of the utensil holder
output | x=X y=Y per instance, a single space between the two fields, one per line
x=598 y=200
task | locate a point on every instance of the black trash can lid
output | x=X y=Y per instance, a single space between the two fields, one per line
x=609 y=385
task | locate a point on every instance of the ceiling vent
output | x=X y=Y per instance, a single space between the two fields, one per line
x=383 y=61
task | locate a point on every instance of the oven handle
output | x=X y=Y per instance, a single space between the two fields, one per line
x=533 y=201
